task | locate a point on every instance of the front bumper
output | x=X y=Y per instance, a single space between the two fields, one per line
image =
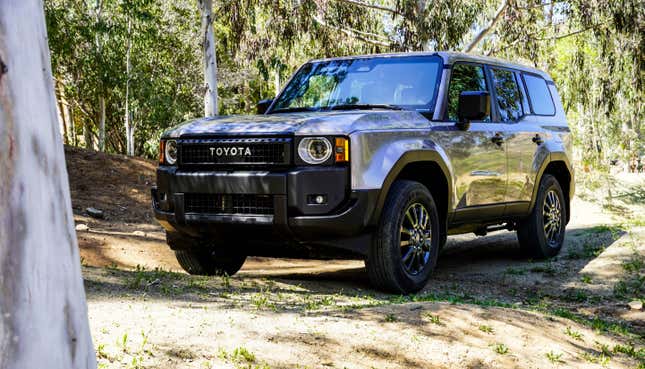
x=344 y=215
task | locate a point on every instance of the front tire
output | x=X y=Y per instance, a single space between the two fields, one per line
x=208 y=262
x=406 y=244
x=541 y=234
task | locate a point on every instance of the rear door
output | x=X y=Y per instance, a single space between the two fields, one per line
x=513 y=111
x=525 y=140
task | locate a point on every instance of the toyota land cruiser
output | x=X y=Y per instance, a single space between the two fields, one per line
x=375 y=157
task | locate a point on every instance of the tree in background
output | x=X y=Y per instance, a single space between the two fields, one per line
x=42 y=301
x=593 y=48
x=209 y=57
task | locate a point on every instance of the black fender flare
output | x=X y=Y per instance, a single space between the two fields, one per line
x=409 y=157
x=556 y=156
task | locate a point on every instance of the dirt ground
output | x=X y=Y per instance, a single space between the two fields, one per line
x=485 y=307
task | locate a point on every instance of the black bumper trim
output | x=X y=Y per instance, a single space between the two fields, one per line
x=351 y=221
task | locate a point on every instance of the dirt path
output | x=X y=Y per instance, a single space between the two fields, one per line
x=485 y=307
x=506 y=312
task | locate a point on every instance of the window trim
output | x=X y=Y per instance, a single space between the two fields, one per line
x=528 y=96
x=498 y=117
x=444 y=115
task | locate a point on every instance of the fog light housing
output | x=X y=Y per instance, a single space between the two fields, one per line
x=316 y=199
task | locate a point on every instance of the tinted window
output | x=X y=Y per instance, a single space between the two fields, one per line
x=540 y=95
x=464 y=77
x=509 y=100
x=408 y=82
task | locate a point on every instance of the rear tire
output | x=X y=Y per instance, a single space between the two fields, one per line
x=541 y=234
x=403 y=255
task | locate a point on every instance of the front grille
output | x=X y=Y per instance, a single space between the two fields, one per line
x=228 y=204
x=250 y=151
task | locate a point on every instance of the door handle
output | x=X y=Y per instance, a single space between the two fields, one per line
x=537 y=139
x=498 y=139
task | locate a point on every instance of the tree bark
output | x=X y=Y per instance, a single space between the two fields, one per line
x=209 y=58
x=101 y=123
x=99 y=50
x=61 y=113
x=43 y=313
x=276 y=81
x=72 y=126
x=129 y=128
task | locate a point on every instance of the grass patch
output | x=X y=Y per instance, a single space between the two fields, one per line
x=391 y=318
x=241 y=354
x=634 y=265
x=631 y=351
x=434 y=319
x=596 y=323
x=576 y=296
x=596 y=358
x=573 y=334
x=486 y=329
x=555 y=358
x=500 y=348
x=585 y=279
x=632 y=287
x=546 y=268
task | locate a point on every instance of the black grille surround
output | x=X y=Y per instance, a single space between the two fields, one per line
x=228 y=204
x=235 y=151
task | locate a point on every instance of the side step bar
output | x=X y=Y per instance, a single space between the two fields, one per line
x=509 y=226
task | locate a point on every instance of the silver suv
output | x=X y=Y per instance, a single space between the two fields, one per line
x=376 y=157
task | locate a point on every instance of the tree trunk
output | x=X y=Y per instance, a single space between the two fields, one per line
x=42 y=302
x=276 y=81
x=209 y=59
x=60 y=112
x=129 y=129
x=88 y=136
x=102 y=123
x=99 y=51
x=67 y=114
x=68 y=124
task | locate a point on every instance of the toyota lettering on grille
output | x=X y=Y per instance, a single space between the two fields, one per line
x=230 y=151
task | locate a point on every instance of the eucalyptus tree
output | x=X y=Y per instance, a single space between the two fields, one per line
x=42 y=301
x=594 y=50
x=209 y=58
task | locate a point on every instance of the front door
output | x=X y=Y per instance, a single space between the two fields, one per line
x=477 y=154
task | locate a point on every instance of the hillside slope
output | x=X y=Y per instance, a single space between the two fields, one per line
x=116 y=184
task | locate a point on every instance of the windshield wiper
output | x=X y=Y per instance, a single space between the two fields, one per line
x=294 y=110
x=364 y=106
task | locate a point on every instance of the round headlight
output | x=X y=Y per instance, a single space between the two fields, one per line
x=314 y=150
x=171 y=152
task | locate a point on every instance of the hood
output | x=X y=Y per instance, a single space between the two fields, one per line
x=309 y=123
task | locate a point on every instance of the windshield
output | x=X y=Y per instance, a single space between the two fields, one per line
x=408 y=82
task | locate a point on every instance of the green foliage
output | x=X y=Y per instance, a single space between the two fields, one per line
x=592 y=48
x=500 y=348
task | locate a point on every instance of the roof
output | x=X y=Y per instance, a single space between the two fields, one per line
x=449 y=58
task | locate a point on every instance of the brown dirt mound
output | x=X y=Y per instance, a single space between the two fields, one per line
x=117 y=184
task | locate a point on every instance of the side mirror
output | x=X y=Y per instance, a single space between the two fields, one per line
x=473 y=105
x=263 y=105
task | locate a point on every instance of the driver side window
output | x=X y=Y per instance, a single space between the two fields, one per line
x=464 y=77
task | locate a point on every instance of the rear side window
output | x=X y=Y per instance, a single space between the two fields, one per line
x=464 y=77
x=539 y=95
x=509 y=100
